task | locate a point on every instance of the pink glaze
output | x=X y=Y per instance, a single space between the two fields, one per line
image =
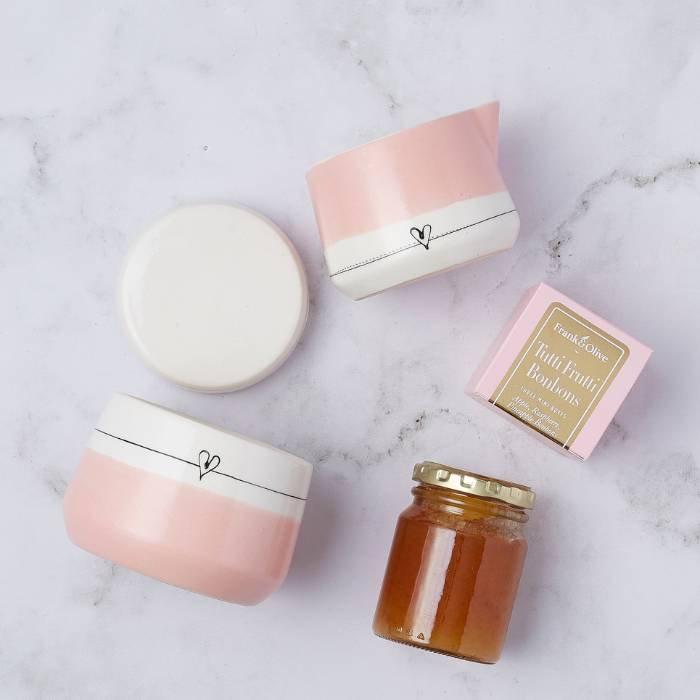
x=177 y=533
x=407 y=174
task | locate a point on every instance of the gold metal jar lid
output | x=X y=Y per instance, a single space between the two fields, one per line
x=474 y=484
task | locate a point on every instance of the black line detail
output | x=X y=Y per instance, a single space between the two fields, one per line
x=196 y=464
x=422 y=235
x=413 y=245
x=207 y=463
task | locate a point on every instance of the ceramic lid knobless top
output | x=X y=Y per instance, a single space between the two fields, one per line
x=214 y=297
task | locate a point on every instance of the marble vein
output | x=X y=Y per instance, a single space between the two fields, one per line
x=113 y=113
x=563 y=232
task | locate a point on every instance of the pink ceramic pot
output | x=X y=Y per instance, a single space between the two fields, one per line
x=187 y=503
x=413 y=204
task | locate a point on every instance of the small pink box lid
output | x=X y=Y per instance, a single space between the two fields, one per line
x=510 y=342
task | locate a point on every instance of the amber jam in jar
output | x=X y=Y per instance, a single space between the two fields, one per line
x=455 y=564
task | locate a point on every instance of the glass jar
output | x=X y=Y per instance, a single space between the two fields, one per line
x=455 y=564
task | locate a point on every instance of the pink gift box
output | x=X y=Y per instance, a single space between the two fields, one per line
x=559 y=370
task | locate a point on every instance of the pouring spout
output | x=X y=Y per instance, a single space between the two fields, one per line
x=487 y=119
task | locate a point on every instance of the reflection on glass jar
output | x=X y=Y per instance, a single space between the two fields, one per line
x=455 y=564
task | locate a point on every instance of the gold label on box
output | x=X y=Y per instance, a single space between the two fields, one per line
x=560 y=375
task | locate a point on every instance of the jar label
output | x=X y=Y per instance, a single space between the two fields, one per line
x=560 y=375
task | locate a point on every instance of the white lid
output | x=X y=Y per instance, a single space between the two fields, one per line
x=214 y=297
x=153 y=438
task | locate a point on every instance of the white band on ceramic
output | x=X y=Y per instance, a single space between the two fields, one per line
x=454 y=220
x=162 y=442
x=463 y=231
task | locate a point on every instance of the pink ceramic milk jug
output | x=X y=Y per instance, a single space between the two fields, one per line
x=414 y=203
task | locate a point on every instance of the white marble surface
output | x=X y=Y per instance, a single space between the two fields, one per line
x=113 y=113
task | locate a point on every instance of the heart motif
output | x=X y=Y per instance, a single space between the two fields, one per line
x=207 y=463
x=422 y=235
